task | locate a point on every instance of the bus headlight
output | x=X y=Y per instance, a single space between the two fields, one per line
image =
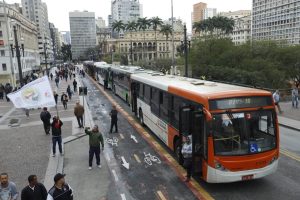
x=220 y=167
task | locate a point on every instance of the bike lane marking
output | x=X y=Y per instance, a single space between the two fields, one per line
x=193 y=185
x=137 y=158
x=161 y=195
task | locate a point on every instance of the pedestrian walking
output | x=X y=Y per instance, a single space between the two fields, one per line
x=61 y=190
x=69 y=92
x=295 y=97
x=56 y=135
x=1 y=91
x=95 y=139
x=276 y=97
x=56 y=81
x=79 y=112
x=66 y=76
x=34 y=190
x=26 y=112
x=187 y=151
x=75 y=85
x=8 y=190
x=51 y=76
x=8 y=89
x=45 y=117
x=114 y=119
x=64 y=100
x=55 y=97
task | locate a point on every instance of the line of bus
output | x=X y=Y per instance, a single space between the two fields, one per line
x=235 y=134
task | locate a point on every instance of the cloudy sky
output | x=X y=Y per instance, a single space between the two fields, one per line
x=59 y=9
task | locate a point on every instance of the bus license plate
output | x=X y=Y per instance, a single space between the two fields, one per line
x=247 y=177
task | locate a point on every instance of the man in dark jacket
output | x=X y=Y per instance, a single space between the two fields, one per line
x=78 y=112
x=34 y=191
x=45 y=117
x=56 y=135
x=75 y=85
x=114 y=119
x=64 y=100
x=95 y=138
x=61 y=190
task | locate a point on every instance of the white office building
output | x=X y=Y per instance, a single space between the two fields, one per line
x=277 y=20
x=65 y=37
x=242 y=30
x=209 y=13
x=27 y=35
x=126 y=10
x=83 y=32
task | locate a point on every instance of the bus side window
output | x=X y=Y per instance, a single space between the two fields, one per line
x=147 y=94
x=155 y=101
x=141 y=92
x=164 y=106
x=174 y=111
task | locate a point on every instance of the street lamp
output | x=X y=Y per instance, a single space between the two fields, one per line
x=15 y=46
x=45 y=54
x=185 y=45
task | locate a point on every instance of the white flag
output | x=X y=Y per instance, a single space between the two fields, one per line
x=36 y=94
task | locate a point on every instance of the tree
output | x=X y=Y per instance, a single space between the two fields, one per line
x=131 y=26
x=119 y=27
x=143 y=24
x=66 y=52
x=166 y=30
x=156 y=22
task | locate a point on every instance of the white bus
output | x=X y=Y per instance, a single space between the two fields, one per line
x=103 y=74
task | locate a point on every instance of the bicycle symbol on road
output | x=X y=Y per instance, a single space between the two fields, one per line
x=149 y=159
x=113 y=141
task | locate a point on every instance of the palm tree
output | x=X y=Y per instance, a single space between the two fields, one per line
x=143 y=24
x=166 y=30
x=118 y=26
x=156 y=22
x=131 y=26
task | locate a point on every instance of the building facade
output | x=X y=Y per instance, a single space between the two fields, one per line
x=145 y=48
x=236 y=14
x=100 y=23
x=56 y=41
x=209 y=13
x=65 y=37
x=27 y=35
x=83 y=32
x=126 y=10
x=37 y=12
x=242 y=30
x=198 y=12
x=277 y=20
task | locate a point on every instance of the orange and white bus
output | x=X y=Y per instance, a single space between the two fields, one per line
x=234 y=129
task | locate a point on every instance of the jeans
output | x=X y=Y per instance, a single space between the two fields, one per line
x=295 y=101
x=54 y=141
x=65 y=105
x=188 y=165
x=80 y=121
x=96 y=151
x=114 y=123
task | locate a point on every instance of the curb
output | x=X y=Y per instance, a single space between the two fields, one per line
x=289 y=127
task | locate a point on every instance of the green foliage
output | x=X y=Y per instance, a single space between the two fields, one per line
x=260 y=64
x=166 y=30
x=66 y=52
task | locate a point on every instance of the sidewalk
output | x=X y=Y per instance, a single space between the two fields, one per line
x=290 y=118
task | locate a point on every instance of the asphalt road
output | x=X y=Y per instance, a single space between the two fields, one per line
x=144 y=181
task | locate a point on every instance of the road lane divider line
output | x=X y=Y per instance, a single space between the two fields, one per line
x=115 y=175
x=122 y=136
x=290 y=154
x=107 y=157
x=199 y=192
x=137 y=158
x=161 y=195
x=123 y=197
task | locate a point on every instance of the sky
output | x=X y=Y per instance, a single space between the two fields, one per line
x=59 y=9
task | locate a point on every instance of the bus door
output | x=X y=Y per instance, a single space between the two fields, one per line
x=191 y=124
x=134 y=90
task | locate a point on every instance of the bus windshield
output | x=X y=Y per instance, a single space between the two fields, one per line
x=244 y=133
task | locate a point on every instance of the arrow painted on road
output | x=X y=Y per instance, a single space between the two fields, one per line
x=134 y=139
x=125 y=163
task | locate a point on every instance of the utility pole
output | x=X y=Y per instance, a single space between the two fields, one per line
x=173 y=45
x=18 y=55
x=186 y=52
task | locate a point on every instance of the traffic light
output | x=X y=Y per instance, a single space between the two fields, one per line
x=82 y=91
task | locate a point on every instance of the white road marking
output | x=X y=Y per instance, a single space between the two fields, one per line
x=107 y=157
x=125 y=163
x=123 y=196
x=134 y=138
x=115 y=175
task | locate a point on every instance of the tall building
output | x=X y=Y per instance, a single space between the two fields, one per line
x=100 y=23
x=126 y=10
x=27 y=35
x=83 y=32
x=198 y=12
x=276 y=20
x=209 y=13
x=110 y=21
x=56 y=40
x=242 y=30
x=37 y=12
x=236 y=14
x=66 y=37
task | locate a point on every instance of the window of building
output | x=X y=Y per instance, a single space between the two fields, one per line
x=4 y=68
x=2 y=53
x=1 y=34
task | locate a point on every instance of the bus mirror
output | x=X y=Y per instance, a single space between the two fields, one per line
x=207 y=114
